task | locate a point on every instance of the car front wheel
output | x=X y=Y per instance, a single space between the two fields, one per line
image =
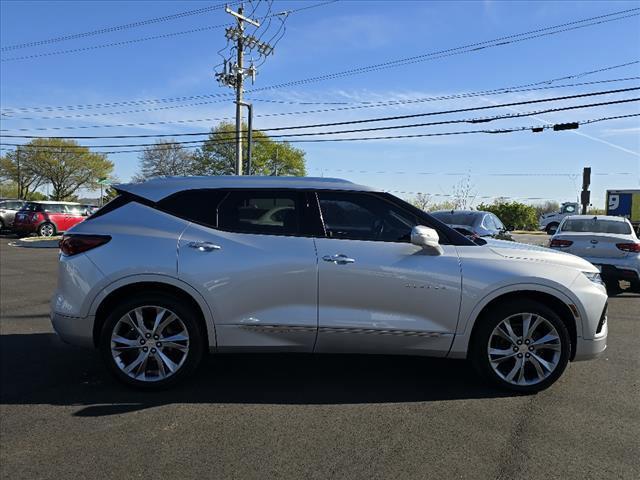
x=151 y=341
x=521 y=345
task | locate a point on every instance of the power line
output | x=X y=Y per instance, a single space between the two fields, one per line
x=459 y=174
x=117 y=28
x=438 y=54
x=393 y=127
x=277 y=114
x=537 y=128
x=138 y=40
x=458 y=110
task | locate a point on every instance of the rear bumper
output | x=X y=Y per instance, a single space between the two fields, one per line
x=25 y=227
x=73 y=330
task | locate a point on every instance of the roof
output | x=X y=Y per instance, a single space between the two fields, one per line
x=158 y=188
x=467 y=212
x=597 y=217
x=49 y=202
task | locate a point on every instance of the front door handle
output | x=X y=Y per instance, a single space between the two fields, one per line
x=204 y=246
x=339 y=259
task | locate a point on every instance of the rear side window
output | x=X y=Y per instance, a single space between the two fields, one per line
x=198 y=206
x=32 y=207
x=270 y=212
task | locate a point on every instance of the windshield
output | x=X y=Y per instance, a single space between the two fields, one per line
x=455 y=218
x=595 y=225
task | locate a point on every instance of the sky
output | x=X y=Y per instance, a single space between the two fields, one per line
x=135 y=72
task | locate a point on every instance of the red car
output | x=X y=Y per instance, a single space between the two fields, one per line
x=48 y=218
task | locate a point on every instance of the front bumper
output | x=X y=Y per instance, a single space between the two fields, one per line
x=587 y=349
x=73 y=330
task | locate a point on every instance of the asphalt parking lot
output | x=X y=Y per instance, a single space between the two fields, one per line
x=61 y=415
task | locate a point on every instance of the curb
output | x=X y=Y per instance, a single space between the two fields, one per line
x=38 y=242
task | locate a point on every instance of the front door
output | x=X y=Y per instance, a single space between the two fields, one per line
x=256 y=270
x=378 y=293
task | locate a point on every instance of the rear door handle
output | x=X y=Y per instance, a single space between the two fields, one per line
x=204 y=246
x=339 y=259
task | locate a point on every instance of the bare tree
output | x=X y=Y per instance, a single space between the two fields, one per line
x=421 y=201
x=164 y=159
x=464 y=193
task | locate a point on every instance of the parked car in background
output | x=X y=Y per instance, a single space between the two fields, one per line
x=607 y=242
x=48 y=218
x=175 y=267
x=549 y=221
x=8 y=209
x=89 y=209
x=473 y=223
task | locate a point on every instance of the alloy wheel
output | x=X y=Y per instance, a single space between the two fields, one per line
x=524 y=349
x=46 y=230
x=149 y=343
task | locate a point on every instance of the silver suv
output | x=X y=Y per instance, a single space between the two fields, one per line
x=176 y=267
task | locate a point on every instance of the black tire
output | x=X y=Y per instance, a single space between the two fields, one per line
x=550 y=226
x=478 y=348
x=43 y=229
x=634 y=287
x=186 y=314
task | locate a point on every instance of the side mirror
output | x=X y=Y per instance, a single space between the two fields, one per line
x=427 y=238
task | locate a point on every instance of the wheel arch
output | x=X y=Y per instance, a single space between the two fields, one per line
x=101 y=306
x=560 y=307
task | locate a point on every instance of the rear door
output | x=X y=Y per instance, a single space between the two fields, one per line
x=378 y=292
x=256 y=269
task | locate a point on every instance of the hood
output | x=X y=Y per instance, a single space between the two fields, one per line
x=542 y=255
x=492 y=242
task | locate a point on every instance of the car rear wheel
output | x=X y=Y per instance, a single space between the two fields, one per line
x=152 y=341
x=47 y=230
x=521 y=345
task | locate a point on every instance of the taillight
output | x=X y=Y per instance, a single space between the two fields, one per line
x=74 y=244
x=557 y=242
x=629 y=247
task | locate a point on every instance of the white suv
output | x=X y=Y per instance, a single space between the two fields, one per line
x=175 y=267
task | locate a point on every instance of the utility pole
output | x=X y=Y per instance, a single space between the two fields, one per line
x=585 y=196
x=19 y=175
x=239 y=86
x=233 y=74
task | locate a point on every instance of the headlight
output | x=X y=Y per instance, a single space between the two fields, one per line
x=594 y=277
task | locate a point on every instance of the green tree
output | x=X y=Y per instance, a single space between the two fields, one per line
x=66 y=165
x=164 y=159
x=217 y=155
x=518 y=215
x=10 y=190
x=17 y=168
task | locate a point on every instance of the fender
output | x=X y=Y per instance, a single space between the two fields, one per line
x=460 y=343
x=166 y=279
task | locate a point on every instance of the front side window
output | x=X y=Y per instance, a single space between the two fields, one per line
x=268 y=212
x=498 y=222
x=363 y=216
